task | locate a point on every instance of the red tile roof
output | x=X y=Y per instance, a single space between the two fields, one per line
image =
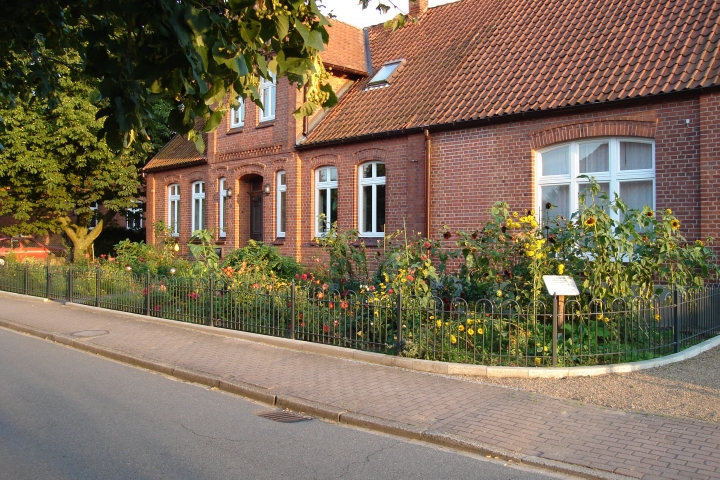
x=345 y=49
x=178 y=152
x=482 y=59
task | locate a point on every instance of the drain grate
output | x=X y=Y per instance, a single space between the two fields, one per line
x=89 y=333
x=283 y=416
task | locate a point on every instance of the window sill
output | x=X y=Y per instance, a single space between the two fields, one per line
x=234 y=130
x=266 y=123
x=370 y=242
x=279 y=241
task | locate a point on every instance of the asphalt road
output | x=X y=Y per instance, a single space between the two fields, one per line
x=66 y=414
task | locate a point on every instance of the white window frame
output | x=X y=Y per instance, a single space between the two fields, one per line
x=328 y=185
x=131 y=213
x=374 y=181
x=198 y=206
x=94 y=219
x=221 y=207
x=281 y=187
x=268 y=97
x=237 y=115
x=174 y=209
x=614 y=177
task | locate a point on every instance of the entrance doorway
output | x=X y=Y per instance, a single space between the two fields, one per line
x=256 y=209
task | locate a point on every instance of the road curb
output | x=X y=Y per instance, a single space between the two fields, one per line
x=324 y=411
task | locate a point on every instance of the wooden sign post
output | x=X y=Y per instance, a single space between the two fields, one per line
x=559 y=286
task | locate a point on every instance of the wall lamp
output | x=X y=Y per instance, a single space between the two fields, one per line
x=266 y=189
x=228 y=192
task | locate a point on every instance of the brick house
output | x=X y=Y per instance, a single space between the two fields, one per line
x=474 y=102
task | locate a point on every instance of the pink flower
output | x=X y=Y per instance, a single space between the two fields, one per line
x=157 y=308
x=193 y=295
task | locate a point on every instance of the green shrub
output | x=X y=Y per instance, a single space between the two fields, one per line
x=258 y=254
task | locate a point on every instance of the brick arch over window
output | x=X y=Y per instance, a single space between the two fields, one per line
x=370 y=154
x=323 y=160
x=603 y=128
x=170 y=179
x=196 y=176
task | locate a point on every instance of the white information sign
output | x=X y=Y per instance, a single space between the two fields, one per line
x=560 y=285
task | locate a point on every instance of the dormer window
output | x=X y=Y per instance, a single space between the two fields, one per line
x=382 y=77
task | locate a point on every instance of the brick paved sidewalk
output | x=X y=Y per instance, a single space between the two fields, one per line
x=526 y=426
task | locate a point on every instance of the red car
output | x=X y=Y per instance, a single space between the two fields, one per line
x=23 y=248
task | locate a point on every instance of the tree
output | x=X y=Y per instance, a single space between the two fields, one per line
x=53 y=169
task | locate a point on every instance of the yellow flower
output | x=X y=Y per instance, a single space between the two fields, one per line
x=471 y=332
x=657 y=317
x=675 y=224
x=699 y=243
x=359 y=334
x=453 y=339
x=515 y=214
x=537 y=361
x=461 y=328
x=470 y=321
x=499 y=293
x=439 y=323
x=590 y=222
x=530 y=253
x=668 y=212
x=561 y=269
x=479 y=331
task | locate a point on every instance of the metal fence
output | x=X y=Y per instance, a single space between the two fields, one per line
x=577 y=332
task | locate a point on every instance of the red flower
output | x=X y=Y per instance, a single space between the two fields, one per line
x=426 y=245
x=304 y=276
x=326 y=328
x=390 y=291
x=302 y=324
x=344 y=305
x=331 y=305
x=410 y=278
x=336 y=323
x=300 y=315
x=157 y=308
x=144 y=291
x=193 y=295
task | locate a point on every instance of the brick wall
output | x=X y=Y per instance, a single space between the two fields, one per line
x=470 y=169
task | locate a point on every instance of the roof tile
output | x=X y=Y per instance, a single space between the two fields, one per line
x=477 y=59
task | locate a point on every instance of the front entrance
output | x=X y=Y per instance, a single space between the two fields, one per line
x=256 y=216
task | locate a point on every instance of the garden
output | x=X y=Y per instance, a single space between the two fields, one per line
x=473 y=297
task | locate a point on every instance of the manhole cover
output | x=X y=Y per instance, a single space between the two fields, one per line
x=284 y=416
x=89 y=333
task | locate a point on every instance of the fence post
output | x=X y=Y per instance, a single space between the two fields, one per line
x=147 y=292
x=47 y=281
x=97 y=287
x=69 y=284
x=212 y=299
x=398 y=345
x=27 y=278
x=676 y=319
x=555 y=331
x=292 y=310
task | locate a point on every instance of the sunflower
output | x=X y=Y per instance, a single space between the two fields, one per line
x=590 y=221
x=675 y=224
x=668 y=212
x=649 y=213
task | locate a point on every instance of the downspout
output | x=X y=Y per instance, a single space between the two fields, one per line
x=428 y=183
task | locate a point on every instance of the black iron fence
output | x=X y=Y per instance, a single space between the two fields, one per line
x=580 y=332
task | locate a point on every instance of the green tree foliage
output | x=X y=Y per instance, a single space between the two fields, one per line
x=53 y=168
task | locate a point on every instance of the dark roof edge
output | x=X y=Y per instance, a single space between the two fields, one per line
x=505 y=118
x=342 y=69
x=186 y=163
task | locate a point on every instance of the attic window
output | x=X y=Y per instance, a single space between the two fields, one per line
x=382 y=77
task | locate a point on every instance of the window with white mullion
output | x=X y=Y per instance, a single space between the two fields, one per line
x=198 y=206
x=237 y=115
x=326 y=199
x=281 y=202
x=174 y=209
x=371 y=207
x=268 y=92
x=619 y=165
x=222 y=207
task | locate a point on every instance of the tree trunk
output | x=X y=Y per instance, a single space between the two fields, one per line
x=82 y=237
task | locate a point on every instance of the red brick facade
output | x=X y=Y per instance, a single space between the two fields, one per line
x=470 y=168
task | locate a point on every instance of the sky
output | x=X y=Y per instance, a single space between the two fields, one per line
x=350 y=11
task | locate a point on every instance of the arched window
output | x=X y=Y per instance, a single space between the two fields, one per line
x=198 y=206
x=326 y=199
x=173 y=218
x=623 y=166
x=371 y=205
x=281 y=202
